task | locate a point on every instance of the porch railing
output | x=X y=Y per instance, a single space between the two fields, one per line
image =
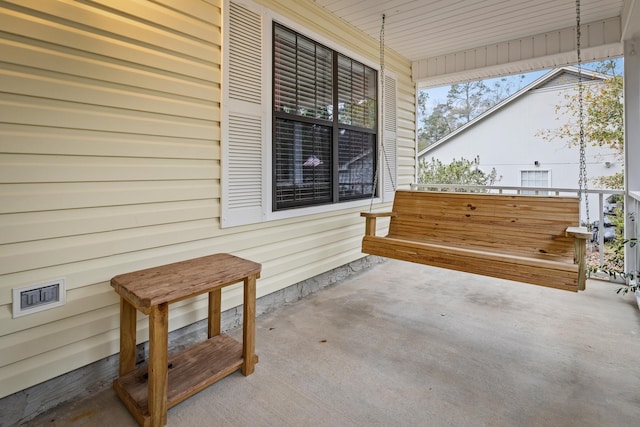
x=598 y=208
x=632 y=256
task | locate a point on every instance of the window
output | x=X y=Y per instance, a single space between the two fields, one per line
x=324 y=124
x=534 y=178
x=299 y=121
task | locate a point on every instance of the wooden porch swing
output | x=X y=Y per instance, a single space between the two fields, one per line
x=531 y=239
x=527 y=238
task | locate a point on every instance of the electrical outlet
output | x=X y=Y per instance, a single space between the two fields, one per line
x=29 y=298
x=50 y=294
x=42 y=296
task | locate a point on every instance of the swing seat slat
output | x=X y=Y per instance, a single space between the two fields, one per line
x=531 y=239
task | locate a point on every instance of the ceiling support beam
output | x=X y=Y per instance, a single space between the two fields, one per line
x=631 y=20
x=632 y=113
x=600 y=39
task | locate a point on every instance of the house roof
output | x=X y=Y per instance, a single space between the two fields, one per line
x=540 y=82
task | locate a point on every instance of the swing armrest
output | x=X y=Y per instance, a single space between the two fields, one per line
x=581 y=235
x=370 y=217
x=578 y=232
x=377 y=214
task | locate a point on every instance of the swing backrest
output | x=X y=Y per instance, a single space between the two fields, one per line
x=531 y=226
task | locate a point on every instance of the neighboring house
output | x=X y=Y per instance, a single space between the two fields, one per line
x=135 y=134
x=506 y=137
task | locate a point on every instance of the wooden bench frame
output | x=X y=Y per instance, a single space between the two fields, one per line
x=531 y=239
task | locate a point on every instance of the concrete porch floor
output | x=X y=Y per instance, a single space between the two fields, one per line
x=409 y=345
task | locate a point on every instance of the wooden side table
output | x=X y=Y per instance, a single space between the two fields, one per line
x=151 y=389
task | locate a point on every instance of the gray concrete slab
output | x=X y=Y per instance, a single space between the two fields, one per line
x=408 y=345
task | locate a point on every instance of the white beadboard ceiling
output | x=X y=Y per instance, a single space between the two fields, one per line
x=470 y=33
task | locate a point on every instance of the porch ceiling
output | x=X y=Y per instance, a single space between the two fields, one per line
x=453 y=40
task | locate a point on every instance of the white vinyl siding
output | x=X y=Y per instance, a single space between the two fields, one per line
x=111 y=161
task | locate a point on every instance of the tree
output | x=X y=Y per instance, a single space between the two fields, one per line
x=602 y=119
x=468 y=100
x=464 y=102
x=603 y=113
x=502 y=88
x=436 y=126
x=463 y=171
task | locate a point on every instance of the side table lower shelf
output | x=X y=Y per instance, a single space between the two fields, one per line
x=190 y=371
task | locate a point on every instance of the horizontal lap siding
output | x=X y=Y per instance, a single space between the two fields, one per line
x=110 y=162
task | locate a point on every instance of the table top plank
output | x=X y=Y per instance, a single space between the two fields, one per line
x=177 y=281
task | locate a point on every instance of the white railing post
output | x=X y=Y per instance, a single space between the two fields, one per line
x=601 y=227
x=632 y=209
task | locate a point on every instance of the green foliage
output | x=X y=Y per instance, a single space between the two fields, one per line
x=614 y=258
x=616 y=267
x=615 y=181
x=463 y=171
x=603 y=114
x=439 y=124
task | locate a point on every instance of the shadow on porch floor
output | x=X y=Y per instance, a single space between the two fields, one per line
x=406 y=344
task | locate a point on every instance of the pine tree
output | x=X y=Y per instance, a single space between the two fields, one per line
x=464 y=102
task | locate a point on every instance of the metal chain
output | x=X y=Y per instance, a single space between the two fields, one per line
x=582 y=178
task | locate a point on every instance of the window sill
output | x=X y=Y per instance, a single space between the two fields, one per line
x=312 y=210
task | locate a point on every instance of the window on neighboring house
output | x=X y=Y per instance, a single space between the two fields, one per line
x=534 y=178
x=325 y=108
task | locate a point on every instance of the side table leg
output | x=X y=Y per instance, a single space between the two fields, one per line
x=127 y=337
x=215 y=299
x=158 y=358
x=249 y=326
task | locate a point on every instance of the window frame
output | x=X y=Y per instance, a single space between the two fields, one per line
x=234 y=213
x=534 y=192
x=335 y=125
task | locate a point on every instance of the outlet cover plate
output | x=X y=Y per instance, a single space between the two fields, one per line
x=38 y=297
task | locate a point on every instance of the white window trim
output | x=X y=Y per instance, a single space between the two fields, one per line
x=548 y=171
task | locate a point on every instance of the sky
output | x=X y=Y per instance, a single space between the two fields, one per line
x=438 y=95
